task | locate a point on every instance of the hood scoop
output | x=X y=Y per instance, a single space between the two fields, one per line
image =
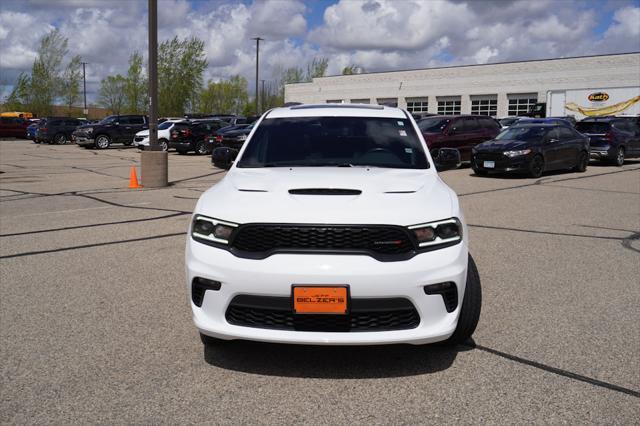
x=324 y=191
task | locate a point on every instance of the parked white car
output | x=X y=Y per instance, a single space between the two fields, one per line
x=332 y=228
x=141 y=139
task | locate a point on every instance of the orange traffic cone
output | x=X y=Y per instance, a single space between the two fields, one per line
x=133 y=179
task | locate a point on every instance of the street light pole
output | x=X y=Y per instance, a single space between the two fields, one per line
x=262 y=95
x=84 y=84
x=257 y=39
x=154 y=160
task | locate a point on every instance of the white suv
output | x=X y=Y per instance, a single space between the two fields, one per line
x=332 y=227
x=141 y=139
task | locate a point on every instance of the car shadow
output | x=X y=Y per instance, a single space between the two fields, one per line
x=332 y=362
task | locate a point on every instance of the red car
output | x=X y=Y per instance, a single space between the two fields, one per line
x=13 y=127
x=462 y=132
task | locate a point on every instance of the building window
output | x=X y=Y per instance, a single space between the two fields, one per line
x=335 y=101
x=360 y=101
x=484 y=105
x=521 y=104
x=417 y=104
x=392 y=102
x=449 y=106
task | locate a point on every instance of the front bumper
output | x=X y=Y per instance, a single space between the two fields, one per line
x=365 y=276
x=83 y=140
x=500 y=162
x=142 y=143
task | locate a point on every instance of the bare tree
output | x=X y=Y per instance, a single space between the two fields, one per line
x=112 y=93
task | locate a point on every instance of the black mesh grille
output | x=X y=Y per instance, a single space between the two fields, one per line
x=365 y=315
x=499 y=159
x=264 y=238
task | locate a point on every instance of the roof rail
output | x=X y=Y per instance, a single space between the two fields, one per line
x=345 y=106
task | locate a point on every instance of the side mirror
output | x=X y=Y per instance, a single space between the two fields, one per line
x=446 y=158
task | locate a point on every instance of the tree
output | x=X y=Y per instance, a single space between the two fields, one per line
x=181 y=64
x=112 y=93
x=20 y=95
x=70 y=87
x=317 y=68
x=225 y=97
x=45 y=82
x=352 y=69
x=136 y=86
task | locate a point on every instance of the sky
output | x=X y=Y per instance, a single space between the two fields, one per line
x=378 y=35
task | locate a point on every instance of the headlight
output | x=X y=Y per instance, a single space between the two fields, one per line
x=242 y=137
x=206 y=229
x=441 y=233
x=516 y=153
x=88 y=129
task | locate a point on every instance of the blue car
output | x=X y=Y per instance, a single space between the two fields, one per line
x=31 y=131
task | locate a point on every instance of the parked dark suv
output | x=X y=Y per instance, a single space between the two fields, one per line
x=462 y=132
x=612 y=139
x=194 y=135
x=113 y=129
x=56 y=130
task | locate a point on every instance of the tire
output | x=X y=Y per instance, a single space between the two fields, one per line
x=536 y=167
x=470 y=309
x=60 y=139
x=201 y=148
x=583 y=161
x=479 y=172
x=103 y=141
x=36 y=141
x=164 y=144
x=210 y=341
x=619 y=160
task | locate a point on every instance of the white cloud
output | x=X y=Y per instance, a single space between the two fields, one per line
x=376 y=34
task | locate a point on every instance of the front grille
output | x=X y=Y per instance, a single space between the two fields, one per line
x=365 y=315
x=138 y=138
x=373 y=239
x=500 y=160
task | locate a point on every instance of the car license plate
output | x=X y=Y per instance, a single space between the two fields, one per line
x=489 y=164
x=320 y=300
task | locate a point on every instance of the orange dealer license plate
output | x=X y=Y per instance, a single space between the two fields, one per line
x=320 y=300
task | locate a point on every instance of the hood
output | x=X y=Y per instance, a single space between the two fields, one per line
x=237 y=132
x=375 y=196
x=503 y=145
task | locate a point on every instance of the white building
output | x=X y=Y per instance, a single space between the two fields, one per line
x=499 y=90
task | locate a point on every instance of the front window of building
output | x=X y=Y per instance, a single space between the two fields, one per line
x=417 y=104
x=449 y=105
x=520 y=104
x=484 y=105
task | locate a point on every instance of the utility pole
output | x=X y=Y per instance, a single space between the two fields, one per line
x=257 y=39
x=262 y=95
x=85 y=111
x=154 y=160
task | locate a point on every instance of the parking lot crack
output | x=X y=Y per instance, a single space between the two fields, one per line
x=558 y=371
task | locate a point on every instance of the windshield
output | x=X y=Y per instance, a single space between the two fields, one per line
x=522 y=133
x=109 y=120
x=435 y=124
x=593 y=127
x=335 y=141
x=165 y=125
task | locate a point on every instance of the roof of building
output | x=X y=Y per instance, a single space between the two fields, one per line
x=473 y=65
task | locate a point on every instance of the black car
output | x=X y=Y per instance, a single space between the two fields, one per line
x=56 y=130
x=227 y=145
x=194 y=135
x=112 y=129
x=532 y=149
x=612 y=139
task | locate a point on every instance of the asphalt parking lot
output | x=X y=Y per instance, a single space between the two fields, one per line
x=95 y=325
